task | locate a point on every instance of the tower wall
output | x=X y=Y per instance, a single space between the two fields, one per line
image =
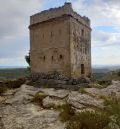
x=80 y=48
x=49 y=47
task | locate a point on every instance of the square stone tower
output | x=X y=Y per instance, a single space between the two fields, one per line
x=60 y=40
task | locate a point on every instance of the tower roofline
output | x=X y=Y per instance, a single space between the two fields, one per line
x=66 y=9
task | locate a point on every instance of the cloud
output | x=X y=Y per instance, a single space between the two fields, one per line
x=15 y=16
x=105 y=22
x=14 y=33
x=14 y=21
x=101 y=12
x=102 y=38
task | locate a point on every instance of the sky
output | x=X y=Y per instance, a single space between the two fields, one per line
x=14 y=32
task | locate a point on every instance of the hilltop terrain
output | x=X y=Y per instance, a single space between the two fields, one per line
x=31 y=107
x=23 y=106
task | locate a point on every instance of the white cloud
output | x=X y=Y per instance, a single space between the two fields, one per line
x=14 y=22
x=100 y=12
x=102 y=38
x=105 y=43
x=14 y=16
x=19 y=61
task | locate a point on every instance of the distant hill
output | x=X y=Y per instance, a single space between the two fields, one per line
x=104 y=68
x=100 y=70
x=10 y=67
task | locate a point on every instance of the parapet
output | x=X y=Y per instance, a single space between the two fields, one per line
x=53 y=13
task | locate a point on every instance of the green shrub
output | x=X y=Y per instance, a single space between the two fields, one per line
x=82 y=90
x=113 y=108
x=100 y=84
x=95 y=85
x=13 y=83
x=3 y=90
x=46 y=86
x=38 y=98
x=66 y=112
x=118 y=73
x=104 y=83
x=27 y=58
x=83 y=120
x=88 y=120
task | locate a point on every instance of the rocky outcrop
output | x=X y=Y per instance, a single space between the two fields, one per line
x=113 y=89
x=80 y=101
x=17 y=111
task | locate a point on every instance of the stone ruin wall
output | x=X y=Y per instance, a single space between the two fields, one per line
x=49 y=50
x=80 y=47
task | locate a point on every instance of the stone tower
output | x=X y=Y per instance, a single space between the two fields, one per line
x=60 y=40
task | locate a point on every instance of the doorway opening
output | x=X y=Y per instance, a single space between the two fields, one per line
x=82 y=69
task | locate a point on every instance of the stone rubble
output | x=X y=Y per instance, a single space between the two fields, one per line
x=57 y=81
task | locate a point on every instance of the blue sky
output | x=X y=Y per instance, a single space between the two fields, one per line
x=105 y=24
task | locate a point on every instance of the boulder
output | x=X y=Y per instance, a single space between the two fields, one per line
x=24 y=94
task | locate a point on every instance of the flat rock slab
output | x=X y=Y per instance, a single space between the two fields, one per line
x=24 y=94
x=55 y=93
x=29 y=117
x=79 y=100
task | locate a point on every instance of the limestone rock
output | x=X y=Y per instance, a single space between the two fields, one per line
x=52 y=102
x=24 y=94
x=2 y=99
x=108 y=91
x=17 y=111
x=55 y=93
x=79 y=100
x=29 y=117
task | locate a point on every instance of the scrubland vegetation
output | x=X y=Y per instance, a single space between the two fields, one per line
x=3 y=90
x=11 y=74
x=108 y=118
x=38 y=98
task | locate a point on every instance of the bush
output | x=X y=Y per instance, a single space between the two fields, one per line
x=3 y=90
x=66 y=112
x=14 y=83
x=88 y=120
x=104 y=82
x=118 y=74
x=113 y=108
x=27 y=58
x=100 y=84
x=38 y=98
x=82 y=90
x=95 y=85
x=83 y=120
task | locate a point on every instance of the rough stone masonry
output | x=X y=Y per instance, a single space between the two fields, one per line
x=60 y=40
